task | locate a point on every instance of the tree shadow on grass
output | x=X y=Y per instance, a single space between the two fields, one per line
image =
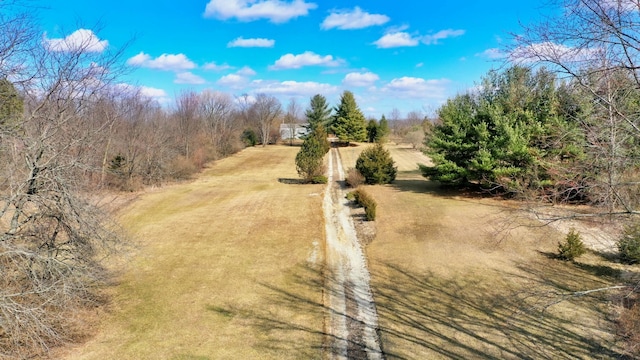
x=423 y=315
x=291 y=181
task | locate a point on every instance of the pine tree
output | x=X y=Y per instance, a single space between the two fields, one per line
x=349 y=123
x=376 y=165
x=372 y=131
x=383 y=129
x=318 y=113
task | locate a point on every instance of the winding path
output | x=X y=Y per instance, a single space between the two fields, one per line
x=352 y=318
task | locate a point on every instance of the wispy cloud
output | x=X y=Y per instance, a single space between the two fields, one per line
x=308 y=58
x=79 y=40
x=552 y=52
x=215 y=67
x=276 y=11
x=293 y=88
x=255 y=42
x=397 y=39
x=493 y=53
x=188 y=77
x=168 y=62
x=441 y=35
x=414 y=87
x=353 y=19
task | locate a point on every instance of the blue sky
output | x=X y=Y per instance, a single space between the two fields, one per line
x=409 y=55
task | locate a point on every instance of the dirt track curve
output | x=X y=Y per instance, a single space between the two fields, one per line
x=352 y=319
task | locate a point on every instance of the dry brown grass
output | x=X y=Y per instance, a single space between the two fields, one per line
x=459 y=276
x=222 y=269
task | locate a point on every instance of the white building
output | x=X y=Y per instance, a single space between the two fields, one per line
x=295 y=131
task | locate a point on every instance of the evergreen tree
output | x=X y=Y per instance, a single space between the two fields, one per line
x=318 y=113
x=309 y=159
x=349 y=123
x=383 y=130
x=504 y=137
x=372 y=131
x=376 y=165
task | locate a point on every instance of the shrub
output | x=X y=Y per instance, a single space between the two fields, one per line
x=249 y=137
x=629 y=328
x=629 y=244
x=182 y=168
x=376 y=165
x=572 y=247
x=354 y=178
x=365 y=200
x=319 y=179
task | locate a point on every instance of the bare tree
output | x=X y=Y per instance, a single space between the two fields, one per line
x=292 y=118
x=216 y=110
x=266 y=109
x=51 y=237
x=186 y=113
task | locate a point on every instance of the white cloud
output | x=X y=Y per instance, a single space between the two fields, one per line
x=237 y=80
x=277 y=11
x=293 y=88
x=308 y=58
x=441 y=35
x=153 y=92
x=355 y=19
x=493 y=53
x=552 y=52
x=246 y=71
x=413 y=87
x=396 y=39
x=188 y=77
x=233 y=81
x=170 y=62
x=80 y=40
x=215 y=67
x=360 y=79
x=420 y=64
x=255 y=42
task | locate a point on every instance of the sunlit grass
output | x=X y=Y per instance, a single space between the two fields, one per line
x=209 y=255
x=458 y=276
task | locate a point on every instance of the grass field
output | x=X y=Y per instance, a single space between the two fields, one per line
x=217 y=260
x=228 y=267
x=461 y=277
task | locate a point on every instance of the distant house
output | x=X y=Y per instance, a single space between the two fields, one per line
x=295 y=131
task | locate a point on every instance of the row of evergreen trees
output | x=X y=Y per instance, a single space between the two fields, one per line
x=347 y=122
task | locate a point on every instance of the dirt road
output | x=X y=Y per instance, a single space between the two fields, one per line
x=352 y=321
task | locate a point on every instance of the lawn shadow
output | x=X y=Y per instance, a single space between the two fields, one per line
x=423 y=315
x=291 y=181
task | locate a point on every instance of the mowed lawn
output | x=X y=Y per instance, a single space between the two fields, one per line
x=459 y=276
x=222 y=267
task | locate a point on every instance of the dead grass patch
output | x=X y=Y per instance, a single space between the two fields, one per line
x=214 y=257
x=458 y=276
